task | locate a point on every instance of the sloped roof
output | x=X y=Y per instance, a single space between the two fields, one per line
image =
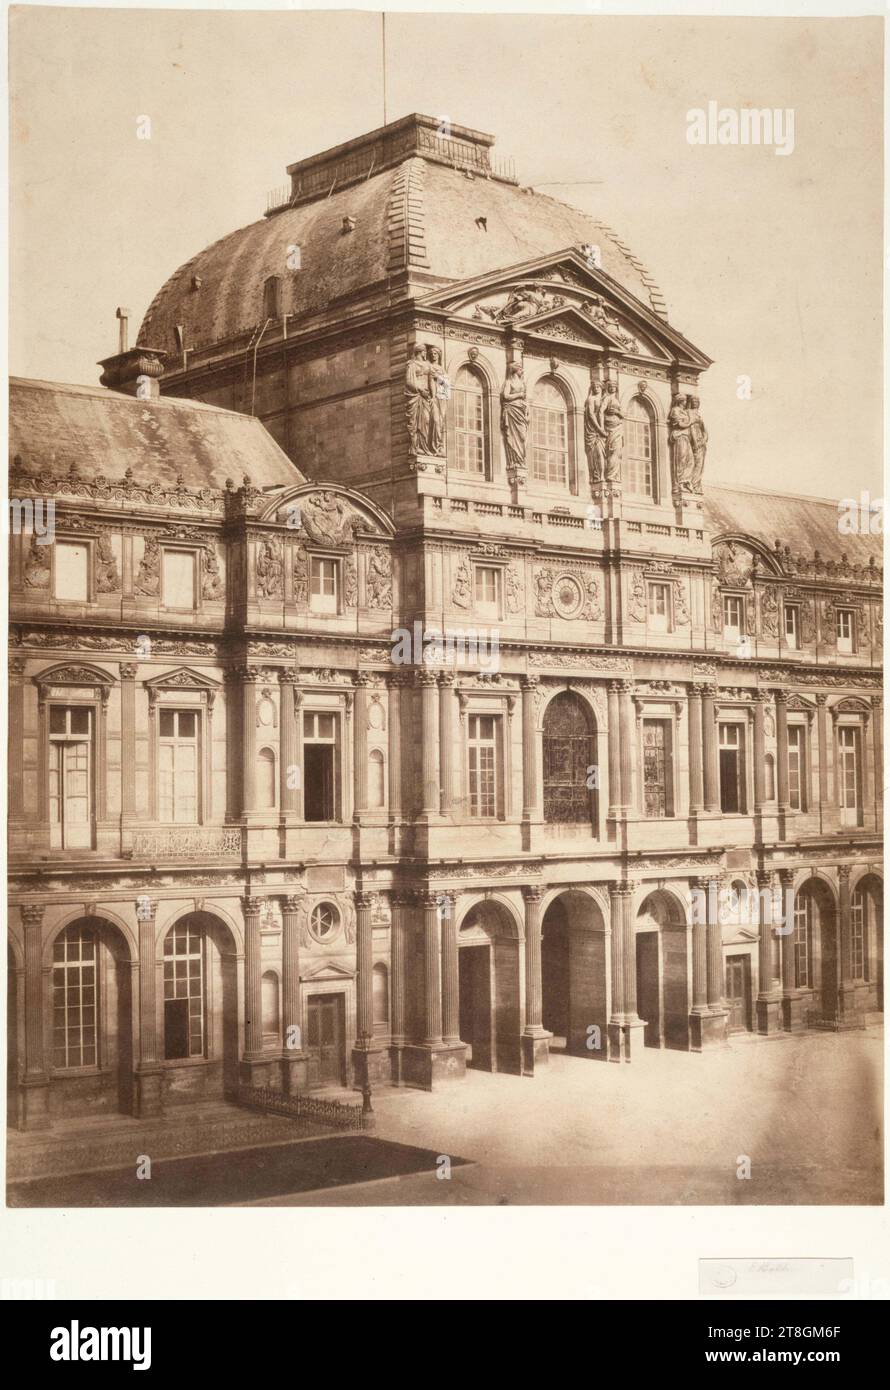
x=445 y=222
x=102 y=432
x=806 y=524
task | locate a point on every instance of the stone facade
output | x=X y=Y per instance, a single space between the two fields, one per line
x=458 y=746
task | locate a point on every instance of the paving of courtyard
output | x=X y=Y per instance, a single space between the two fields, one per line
x=668 y=1128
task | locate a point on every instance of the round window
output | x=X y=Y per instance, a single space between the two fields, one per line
x=324 y=921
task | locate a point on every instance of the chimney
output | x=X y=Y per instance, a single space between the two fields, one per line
x=132 y=371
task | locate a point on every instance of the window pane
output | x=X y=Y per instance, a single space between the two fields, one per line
x=71 y=572
x=179 y=579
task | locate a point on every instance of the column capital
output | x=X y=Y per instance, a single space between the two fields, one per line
x=17 y=665
x=786 y=877
x=247 y=675
x=128 y=670
x=822 y=699
x=764 y=878
x=533 y=892
x=426 y=678
x=780 y=696
x=843 y=873
x=363 y=901
x=709 y=690
x=32 y=914
x=287 y=676
x=291 y=903
x=362 y=679
x=252 y=907
x=528 y=683
x=622 y=888
x=403 y=897
x=146 y=908
x=429 y=901
x=446 y=679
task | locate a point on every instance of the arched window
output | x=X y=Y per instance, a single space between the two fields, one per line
x=265 y=780
x=375 y=779
x=569 y=762
x=380 y=997
x=550 y=435
x=803 y=940
x=639 y=450
x=270 y=1004
x=470 y=415
x=184 y=991
x=75 y=1001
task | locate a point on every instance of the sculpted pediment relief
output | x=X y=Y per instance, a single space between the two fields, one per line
x=331 y=516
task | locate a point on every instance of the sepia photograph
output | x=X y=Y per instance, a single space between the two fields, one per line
x=445 y=724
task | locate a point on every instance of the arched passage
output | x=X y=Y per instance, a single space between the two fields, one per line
x=488 y=983
x=815 y=946
x=575 y=975
x=199 y=1008
x=91 y=1046
x=663 y=971
x=866 y=939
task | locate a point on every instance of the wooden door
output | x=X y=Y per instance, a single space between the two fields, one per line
x=325 y=1040
x=738 y=993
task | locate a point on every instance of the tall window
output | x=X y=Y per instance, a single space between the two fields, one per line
x=75 y=1012
x=482 y=765
x=178 y=766
x=659 y=607
x=733 y=617
x=639 y=450
x=797 y=792
x=568 y=760
x=320 y=766
x=792 y=625
x=323 y=584
x=803 y=937
x=184 y=991
x=487 y=581
x=71 y=571
x=845 y=629
x=179 y=579
x=550 y=435
x=470 y=423
x=70 y=777
x=656 y=768
x=858 y=933
x=732 y=769
x=848 y=774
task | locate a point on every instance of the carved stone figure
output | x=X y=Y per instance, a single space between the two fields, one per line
x=698 y=438
x=211 y=579
x=148 y=577
x=108 y=580
x=636 y=598
x=682 y=457
x=523 y=303
x=350 y=583
x=681 y=605
x=435 y=438
x=514 y=416
x=544 y=593
x=593 y=608
x=269 y=569
x=378 y=578
x=418 y=393
x=461 y=590
x=769 y=611
x=716 y=609
x=514 y=590
x=37 y=566
x=807 y=622
x=327 y=519
x=596 y=310
x=613 y=424
x=733 y=566
x=301 y=575
x=594 y=434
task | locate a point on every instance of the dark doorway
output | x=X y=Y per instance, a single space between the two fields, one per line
x=12 y=1044
x=738 y=993
x=648 y=1002
x=475 y=1004
x=319 y=793
x=325 y=1043
x=828 y=935
x=555 y=973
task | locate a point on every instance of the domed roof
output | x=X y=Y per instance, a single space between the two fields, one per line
x=434 y=208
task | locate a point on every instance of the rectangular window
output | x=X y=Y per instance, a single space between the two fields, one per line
x=324 y=584
x=659 y=607
x=469 y=431
x=797 y=767
x=179 y=579
x=792 y=626
x=857 y=935
x=320 y=766
x=802 y=944
x=550 y=449
x=75 y=1011
x=178 y=766
x=733 y=617
x=183 y=993
x=488 y=590
x=732 y=769
x=638 y=456
x=656 y=767
x=70 y=777
x=482 y=765
x=848 y=774
x=71 y=572
x=845 y=629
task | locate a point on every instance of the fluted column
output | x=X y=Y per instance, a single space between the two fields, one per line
x=716 y=979
x=128 y=672
x=291 y=769
x=759 y=752
x=149 y=1080
x=253 y=980
x=530 y=797
x=395 y=747
x=16 y=737
x=700 y=888
x=627 y=727
x=432 y=972
x=429 y=716
x=768 y=1004
x=696 y=787
x=248 y=680
x=364 y=970
x=614 y=743
x=878 y=736
x=294 y=1057
x=709 y=749
x=446 y=740
x=782 y=794
x=625 y=1026
x=792 y=1005
x=360 y=745
x=401 y=916
x=846 y=988
x=533 y=1001
x=822 y=736
x=450 y=985
x=35 y=1083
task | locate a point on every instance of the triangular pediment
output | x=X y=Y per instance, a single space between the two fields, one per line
x=574 y=297
x=182 y=679
x=327 y=970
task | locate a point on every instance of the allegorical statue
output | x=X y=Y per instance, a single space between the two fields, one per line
x=682 y=457
x=418 y=390
x=698 y=438
x=594 y=434
x=514 y=416
x=439 y=393
x=613 y=424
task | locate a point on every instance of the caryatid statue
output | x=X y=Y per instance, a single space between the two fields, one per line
x=418 y=391
x=514 y=416
x=439 y=393
x=698 y=438
x=682 y=457
x=613 y=424
x=594 y=434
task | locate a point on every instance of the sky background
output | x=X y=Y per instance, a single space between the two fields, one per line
x=771 y=265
